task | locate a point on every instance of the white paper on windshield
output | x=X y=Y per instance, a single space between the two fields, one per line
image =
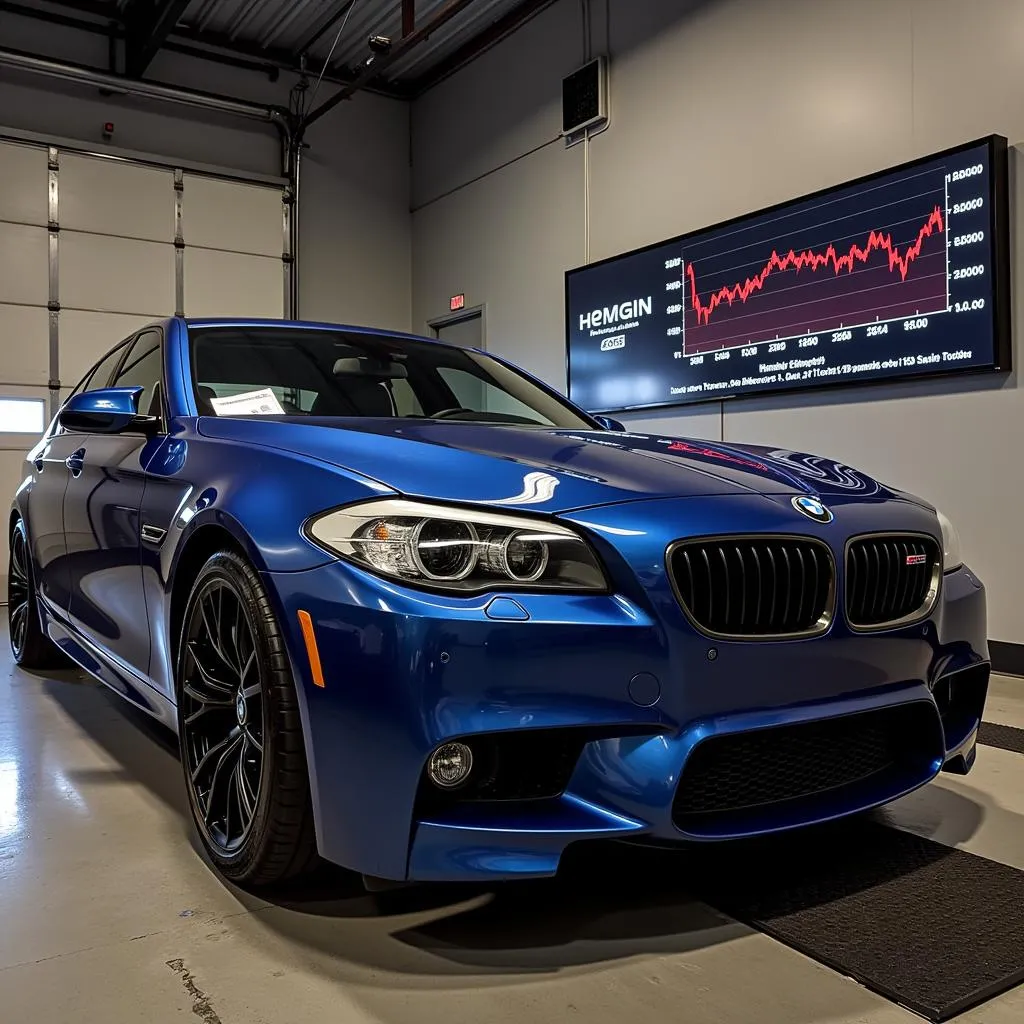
x=251 y=403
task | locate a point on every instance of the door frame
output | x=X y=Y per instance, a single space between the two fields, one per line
x=469 y=313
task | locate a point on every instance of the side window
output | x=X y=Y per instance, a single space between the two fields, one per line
x=143 y=368
x=99 y=376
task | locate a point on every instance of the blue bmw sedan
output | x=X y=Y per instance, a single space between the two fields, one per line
x=410 y=611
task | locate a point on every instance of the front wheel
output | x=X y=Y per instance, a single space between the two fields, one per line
x=240 y=732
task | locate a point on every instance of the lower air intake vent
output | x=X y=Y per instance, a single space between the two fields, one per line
x=742 y=776
x=891 y=580
x=756 y=587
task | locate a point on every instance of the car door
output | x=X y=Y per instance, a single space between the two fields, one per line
x=101 y=520
x=49 y=466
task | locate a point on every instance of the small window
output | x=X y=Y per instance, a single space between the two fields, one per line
x=22 y=415
x=143 y=368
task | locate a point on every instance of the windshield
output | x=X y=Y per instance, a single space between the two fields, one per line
x=318 y=372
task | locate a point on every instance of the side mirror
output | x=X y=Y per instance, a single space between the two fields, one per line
x=609 y=424
x=106 y=411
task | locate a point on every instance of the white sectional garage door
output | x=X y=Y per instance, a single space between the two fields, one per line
x=232 y=236
x=115 y=257
x=93 y=246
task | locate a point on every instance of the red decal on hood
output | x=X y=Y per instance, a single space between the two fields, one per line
x=710 y=453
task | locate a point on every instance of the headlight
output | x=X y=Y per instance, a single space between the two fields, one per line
x=461 y=549
x=951 y=558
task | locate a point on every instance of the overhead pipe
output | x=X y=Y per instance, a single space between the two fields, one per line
x=151 y=90
x=280 y=117
x=373 y=70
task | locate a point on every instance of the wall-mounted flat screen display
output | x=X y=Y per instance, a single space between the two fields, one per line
x=901 y=274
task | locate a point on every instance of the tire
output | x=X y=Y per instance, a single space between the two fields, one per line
x=241 y=739
x=30 y=645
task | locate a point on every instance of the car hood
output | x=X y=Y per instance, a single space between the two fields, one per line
x=544 y=469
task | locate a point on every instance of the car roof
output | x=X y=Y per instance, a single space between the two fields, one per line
x=309 y=325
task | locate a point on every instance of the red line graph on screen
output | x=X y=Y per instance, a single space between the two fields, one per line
x=876 y=241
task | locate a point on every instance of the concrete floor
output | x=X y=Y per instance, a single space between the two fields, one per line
x=108 y=913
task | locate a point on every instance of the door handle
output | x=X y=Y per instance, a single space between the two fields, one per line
x=76 y=462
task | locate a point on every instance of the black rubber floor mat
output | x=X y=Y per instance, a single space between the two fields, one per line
x=1005 y=736
x=932 y=928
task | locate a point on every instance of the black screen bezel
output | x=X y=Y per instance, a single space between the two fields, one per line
x=999 y=226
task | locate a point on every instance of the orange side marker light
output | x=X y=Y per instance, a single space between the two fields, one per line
x=311 y=649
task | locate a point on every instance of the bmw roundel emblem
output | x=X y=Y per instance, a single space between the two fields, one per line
x=812 y=508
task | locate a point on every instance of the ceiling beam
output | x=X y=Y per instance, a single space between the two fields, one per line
x=147 y=27
x=203 y=46
x=373 y=71
x=307 y=43
x=100 y=8
x=494 y=33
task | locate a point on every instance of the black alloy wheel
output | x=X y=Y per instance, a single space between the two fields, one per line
x=222 y=698
x=18 y=594
x=239 y=729
x=31 y=647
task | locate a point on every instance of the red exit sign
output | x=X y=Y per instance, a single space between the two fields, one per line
x=457 y=302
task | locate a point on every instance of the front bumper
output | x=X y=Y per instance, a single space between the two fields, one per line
x=405 y=670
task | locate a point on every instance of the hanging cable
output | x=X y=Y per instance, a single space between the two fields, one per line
x=330 y=54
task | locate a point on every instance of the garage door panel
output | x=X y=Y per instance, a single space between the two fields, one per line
x=24 y=344
x=24 y=195
x=230 y=215
x=24 y=264
x=116 y=198
x=116 y=275
x=232 y=284
x=85 y=336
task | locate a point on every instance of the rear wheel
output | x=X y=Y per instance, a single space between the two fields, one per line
x=240 y=732
x=31 y=647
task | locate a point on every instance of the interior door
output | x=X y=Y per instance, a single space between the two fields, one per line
x=465 y=331
x=101 y=522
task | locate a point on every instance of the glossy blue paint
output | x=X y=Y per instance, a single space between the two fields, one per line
x=113 y=518
x=507 y=609
x=101 y=537
x=103 y=411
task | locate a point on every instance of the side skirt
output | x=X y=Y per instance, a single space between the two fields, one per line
x=126 y=683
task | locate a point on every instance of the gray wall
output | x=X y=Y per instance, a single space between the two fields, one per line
x=719 y=108
x=355 y=232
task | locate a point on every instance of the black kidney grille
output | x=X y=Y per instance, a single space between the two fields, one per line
x=729 y=775
x=890 y=579
x=755 y=586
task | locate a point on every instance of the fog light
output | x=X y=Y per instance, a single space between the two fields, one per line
x=450 y=765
